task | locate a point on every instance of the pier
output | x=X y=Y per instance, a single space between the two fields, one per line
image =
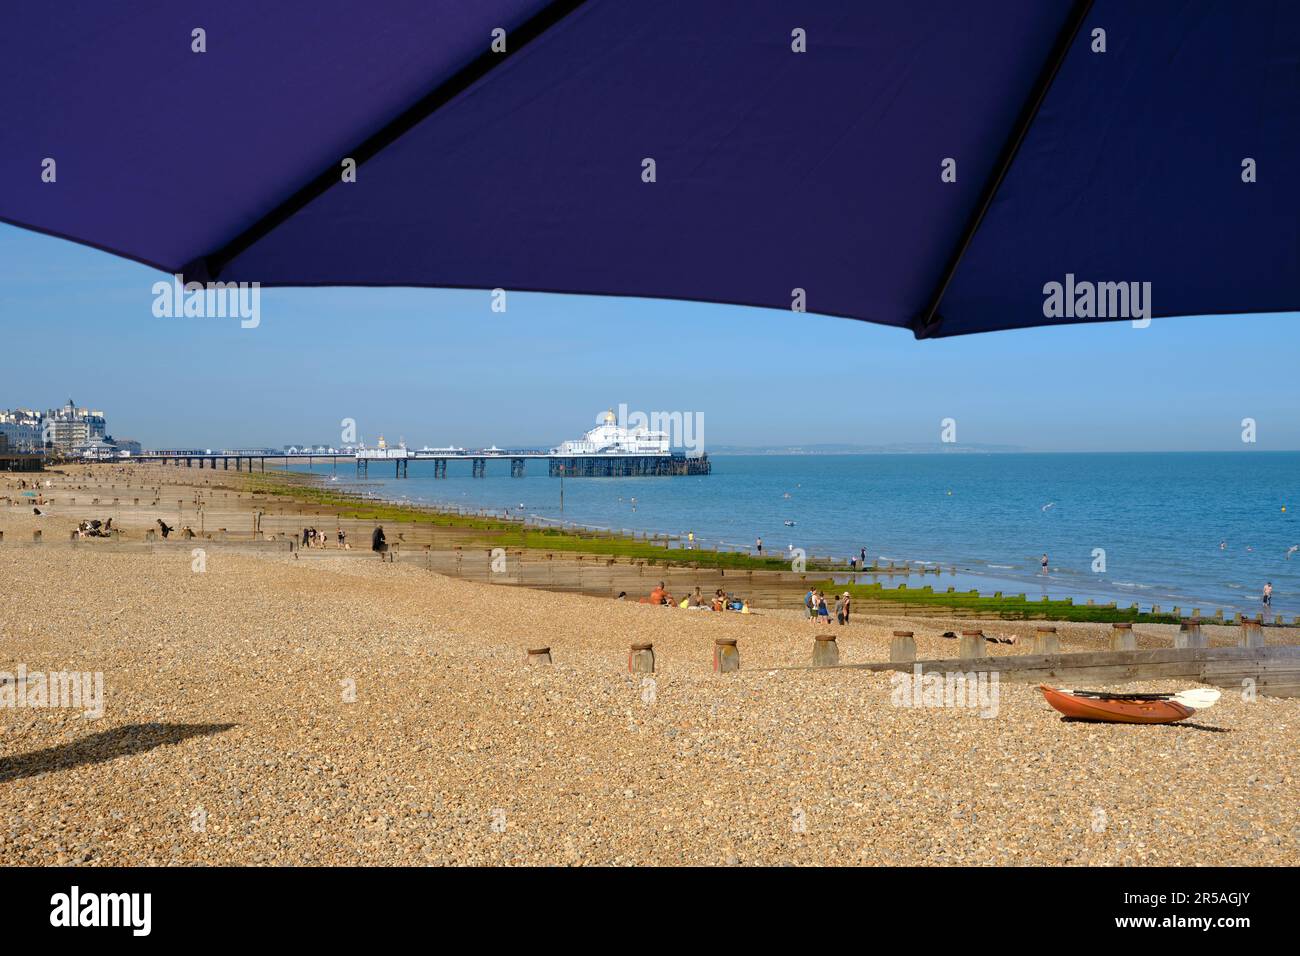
x=13 y=459
x=21 y=461
x=610 y=450
x=220 y=461
x=567 y=466
x=559 y=466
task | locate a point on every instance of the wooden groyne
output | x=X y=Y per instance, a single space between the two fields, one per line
x=1274 y=670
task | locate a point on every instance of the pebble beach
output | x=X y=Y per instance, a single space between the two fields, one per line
x=268 y=710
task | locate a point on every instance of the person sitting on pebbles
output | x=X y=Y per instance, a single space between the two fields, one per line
x=660 y=596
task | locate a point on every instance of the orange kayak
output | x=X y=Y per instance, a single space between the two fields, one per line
x=1118 y=708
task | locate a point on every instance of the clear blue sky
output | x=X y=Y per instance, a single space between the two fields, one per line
x=439 y=367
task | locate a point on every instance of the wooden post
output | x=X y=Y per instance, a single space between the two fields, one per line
x=902 y=647
x=972 y=644
x=1190 y=634
x=1252 y=632
x=1122 y=637
x=826 y=652
x=539 y=655
x=726 y=658
x=641 y=659
x=1046 y=641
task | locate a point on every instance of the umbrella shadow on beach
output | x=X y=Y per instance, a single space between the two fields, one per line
x=1174 y=724
x=98 y=748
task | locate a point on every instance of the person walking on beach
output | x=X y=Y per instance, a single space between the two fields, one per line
x=863 y=556
x=848 y=600
x=808 y=604
x=1044 y=563
x=378 y=543
x=1268 y=597
x=342 y=539
x=164 y=528
x=758 y=545
x=690 y=540
x=823 y=612
x=839 y=610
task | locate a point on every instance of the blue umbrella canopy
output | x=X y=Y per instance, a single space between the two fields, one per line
x=944 y=166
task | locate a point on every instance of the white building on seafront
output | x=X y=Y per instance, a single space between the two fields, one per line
x=64 y=429
x=70 y=426
x=610 y=438
x=22 y=429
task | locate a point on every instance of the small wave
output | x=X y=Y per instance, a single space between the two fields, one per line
x=1133 y=584
x=1003 y=567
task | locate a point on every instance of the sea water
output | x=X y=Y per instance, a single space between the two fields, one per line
x=1133 y=528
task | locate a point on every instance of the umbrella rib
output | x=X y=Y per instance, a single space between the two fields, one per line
x=926 y=325
x=208 y=267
